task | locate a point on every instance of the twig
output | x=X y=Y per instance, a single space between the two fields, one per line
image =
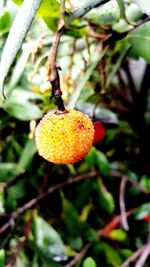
x=132 y=86
x=10 y=224
x=52 y=68
x=37 y=65
x=102 y=233
x=116 y=66
x=133 y=257
x=88 y=49
x=20 y=245
x=113 y=224
x=12 y=260
x=143 y=257
x=31 y=204
x=125 y=93
x=86 y=7
x=97 y=56
x=122 y=203
x=102 y=68
x=133 y=182
x=79 y=255
x=99 y=36
x=143 y=252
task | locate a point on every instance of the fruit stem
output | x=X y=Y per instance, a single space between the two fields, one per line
x=56 y=91
x=52 y=67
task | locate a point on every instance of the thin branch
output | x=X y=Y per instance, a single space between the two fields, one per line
x=88 y=49
x=52 y=68
x=142 y=253
x=86 y=7
x=13 y=258
x=62 y=15
x=143 y=257
x=97 y=56
x=132 y=85
x=124 y=221
x=33 y=202
x=17 y=249
x=99 y=36
x=102 y=233
x=113 y=224
x=133 y=257
x=79 y=255
x=10 y=224
x=51 y=190
x=102 y=69
x=55 y=45
x=133 y=182
x=116 y=66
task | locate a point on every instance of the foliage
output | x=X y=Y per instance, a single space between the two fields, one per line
x=97 y=211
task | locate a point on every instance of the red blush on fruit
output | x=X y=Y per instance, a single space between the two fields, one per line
x=99 y=131
x=147 y=218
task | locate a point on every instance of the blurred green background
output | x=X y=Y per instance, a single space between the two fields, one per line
x=97 y=211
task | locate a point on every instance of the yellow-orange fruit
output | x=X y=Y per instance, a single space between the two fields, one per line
x=64 y=138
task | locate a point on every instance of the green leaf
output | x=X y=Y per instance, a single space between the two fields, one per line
x=48 y=240
x=20 y=65
x=22 y=260
x=2 y=258
x=96 y=58
x=48 y=11
x=52 y=23
x=118 y=234
x=140 y=41
x=18 y=2
x=89 y=262
x=86 y=93
x=102 y=162
x=18 y=105
x=105 y=198
x=27 y=154
x=72 y=223
x=133 y=14
x=85 y=8
x=5 y=22
x=16 y=36
x=70 y=216
x=9 y=170
x=111 y=254
x=117 y=65
x=145 y=182
x=41 y=255
x=96 y=157
x=122 y=7
x=48 y=8
x=142 y=211
x=125 y=253
x=16 y=192
x=102 y=114
x=144 y=5
x=85 y=212
x=2 y=208
x=106 y=14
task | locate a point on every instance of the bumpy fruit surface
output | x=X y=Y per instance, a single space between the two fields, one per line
x=64 y=138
